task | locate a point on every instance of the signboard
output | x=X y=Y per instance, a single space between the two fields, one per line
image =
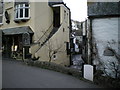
x=26 y=39
x=88 y=72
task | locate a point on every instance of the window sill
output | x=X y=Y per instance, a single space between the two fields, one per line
x=21 y=20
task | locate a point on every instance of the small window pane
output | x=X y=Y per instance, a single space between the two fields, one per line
x=26 y=12
x=22 y=9
x=21 y=5
x=1 y=7
x=0 y=19
x=64 y=14
x=21 y=13
x=26 y=5
x=17 y=6
x=16 y=13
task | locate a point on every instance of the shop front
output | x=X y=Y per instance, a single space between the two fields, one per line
x=16 y=42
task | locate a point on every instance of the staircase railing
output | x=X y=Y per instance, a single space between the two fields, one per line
x=46 y=36
x=43 y=37
x=54 y=30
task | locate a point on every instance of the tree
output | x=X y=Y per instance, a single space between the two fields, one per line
x=53 y=49
x=114 y=66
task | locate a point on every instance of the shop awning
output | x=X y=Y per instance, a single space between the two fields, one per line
x=17 y=30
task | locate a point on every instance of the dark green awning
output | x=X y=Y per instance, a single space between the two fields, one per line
x=17 y=30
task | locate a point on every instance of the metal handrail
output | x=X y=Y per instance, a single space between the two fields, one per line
x=47 y=39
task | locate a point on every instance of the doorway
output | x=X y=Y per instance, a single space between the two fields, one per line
x=56 y=17
x=12 y=46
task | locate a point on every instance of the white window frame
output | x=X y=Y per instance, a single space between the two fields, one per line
x=1 y=15
x=17 y=9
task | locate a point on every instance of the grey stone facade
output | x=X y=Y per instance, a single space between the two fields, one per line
x=103 y=8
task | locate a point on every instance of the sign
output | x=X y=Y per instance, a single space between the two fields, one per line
x=88 y=72
x=26 y=39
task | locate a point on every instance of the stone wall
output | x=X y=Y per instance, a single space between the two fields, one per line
x=105 y=36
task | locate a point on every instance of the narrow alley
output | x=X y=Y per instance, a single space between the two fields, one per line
x=77 y=61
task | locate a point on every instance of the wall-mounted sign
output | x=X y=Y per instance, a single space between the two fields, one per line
x=88 y=72
x=26 y=39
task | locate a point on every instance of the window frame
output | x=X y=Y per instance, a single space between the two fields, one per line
x=65 y=14
x=1 y=23
x=1 y=15
x=17 y=10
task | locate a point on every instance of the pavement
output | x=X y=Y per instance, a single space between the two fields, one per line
x=77 y=61
x=16 y=74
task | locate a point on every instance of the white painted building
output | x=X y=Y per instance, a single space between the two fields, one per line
x=103 y=29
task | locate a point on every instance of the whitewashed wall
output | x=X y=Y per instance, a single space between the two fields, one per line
x=106 y=30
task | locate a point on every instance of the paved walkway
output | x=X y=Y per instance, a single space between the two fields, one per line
x=77 y=61
x=18 y=75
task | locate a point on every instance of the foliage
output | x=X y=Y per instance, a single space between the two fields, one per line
x=106 y=81
x=52 y=50
x=56 y=67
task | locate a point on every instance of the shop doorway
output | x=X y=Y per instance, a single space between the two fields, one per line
x=16 y=42
x=12 y=46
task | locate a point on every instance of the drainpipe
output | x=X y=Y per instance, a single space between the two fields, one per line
x=13 y=44
x=91 y=41
x=70 y=24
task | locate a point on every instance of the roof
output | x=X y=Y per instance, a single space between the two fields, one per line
x=104 y=9
x=51 y=3
x=54 y=2
x=17 y=30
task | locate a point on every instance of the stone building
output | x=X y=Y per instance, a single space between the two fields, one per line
x=35 y=30
x=102 y=36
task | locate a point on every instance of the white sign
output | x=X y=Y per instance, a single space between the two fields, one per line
x=88 y=72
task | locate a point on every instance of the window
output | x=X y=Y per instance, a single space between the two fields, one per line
x=63 y=29
x=1 y=17
x=64 y=14
x=68 y=48
x=22 y=11
x=1 y=12
x=54 y=57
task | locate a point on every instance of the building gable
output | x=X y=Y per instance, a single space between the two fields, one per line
x=103 y=9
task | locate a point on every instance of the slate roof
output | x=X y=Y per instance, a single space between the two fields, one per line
x=53 y=2
x=17 y=30
x=104 y=9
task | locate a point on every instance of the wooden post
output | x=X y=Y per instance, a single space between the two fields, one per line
x=23 y=53
x=13 y=46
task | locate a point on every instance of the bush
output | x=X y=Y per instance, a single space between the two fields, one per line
x=56 y=67
x=106 y=81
